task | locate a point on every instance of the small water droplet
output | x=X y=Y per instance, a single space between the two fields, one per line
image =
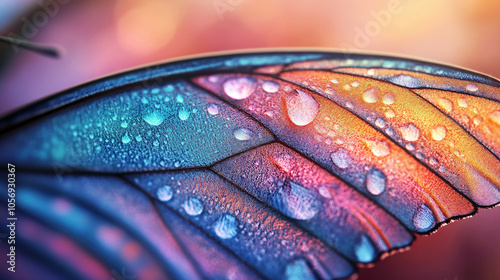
x=301 y=107
x=388 y=99
x=334 y=81
x=177 y=164
x=495 y=117
x=472 y=87
x=213 y=79
x=390 y=114
x=179 y=98
x=375 y=182
x=379 y=122
x=156 y=143
x=341 y=158
x=410 y=147
x=124 y=124
x=242 y=134
x=477 y=120
x=226 y=227
x=213 y=109
x=370 y=72
x=355 y=84
x=371 y=95
x=445 y=104
x=324 y=192
x=364 y=250
x=406 y=81
x=347 y=87
x=193 y=206
x=165 y=193
x=378 y=148
x=297 y=202
x=184 y=114
x=126 y=139
x=239 y=88
x=330 y=91
x=438 y=133
x=410 y=132
x=298 y=269
x=349 y=105
x=154 y=118
x=462 y=103
x=144 y=100
x=270 y=86
x=423 y=219
x=138 y=138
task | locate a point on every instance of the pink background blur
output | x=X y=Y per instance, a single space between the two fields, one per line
x=103 y=37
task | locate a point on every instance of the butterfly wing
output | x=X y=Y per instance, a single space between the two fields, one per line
x=265 y=165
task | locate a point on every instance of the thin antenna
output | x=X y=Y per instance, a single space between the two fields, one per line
x=47 y=50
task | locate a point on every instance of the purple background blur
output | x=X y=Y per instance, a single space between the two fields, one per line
x=103 y=37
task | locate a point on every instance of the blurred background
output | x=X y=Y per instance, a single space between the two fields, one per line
x=103 y=37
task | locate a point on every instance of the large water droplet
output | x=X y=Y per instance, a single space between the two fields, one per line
x=341 y=158
x=154 y=118
x=297 y=270
x=126 y=139
x=213 y=109
x=226 y=227
x=165 y=193
x=375 y=182
x=406 y=81
x=364 y=250
x=301 y=107
x=239 y=88
x=193 y=206
x=270 y=86
x=184 y=114
x=242 y=134
x=438 y=133
x=445 y=104
x=462 y=103
x=297 y=202
x=410 y=132
x=495 y=116
x=423 y=219
x=371 y=95
x=379 y=148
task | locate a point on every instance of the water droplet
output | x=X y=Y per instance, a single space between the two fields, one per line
x=341 y=158
x=124 y=124
x=297 y=202
x=213 y=109
x=364 y=250
x=334 y=81
x=126 y=139
x=270 y=86
x=472 y=87
x=388 y=99
x=378 y=148
x=156 y=143
x=406 y=81
x=438 y=133
x=445 y=104
x=144 y=100
x=324 y=192
x=179 y=98
x=371 y=95
x=226 y=227
x=370 y=72
x=177 y=164
x=213 y=79
x=239 y=88
x=184 y=114
x=347 y=87
x=298 y=269
x=477 y=120
x=495 y=116
x=154 y=118
x=390 y=114
x=242 y=134
x=410 y=132
x=301 y=107
x=379 y=122
x=410 y=147
x=193 y=206
x=462 y=103
x=349 y=105
x=165 y=193
x=375 y=182
x=330 y=91
x=138 y=138
x=423 y=219
x=355 y=84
